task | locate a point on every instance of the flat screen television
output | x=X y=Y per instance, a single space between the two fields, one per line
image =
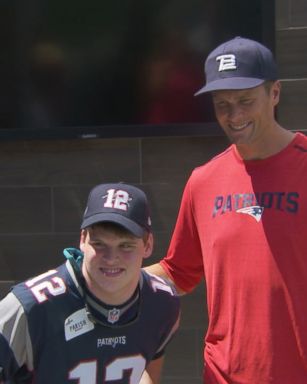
x=75 y=69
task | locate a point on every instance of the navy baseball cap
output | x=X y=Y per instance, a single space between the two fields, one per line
x=118 y=203
x=239 y=63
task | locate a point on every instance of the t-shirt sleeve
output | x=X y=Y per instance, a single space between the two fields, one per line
x=165 y=304
x=183 y=262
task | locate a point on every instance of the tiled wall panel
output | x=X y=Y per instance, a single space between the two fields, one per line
x=291 y=53
x=292 y=111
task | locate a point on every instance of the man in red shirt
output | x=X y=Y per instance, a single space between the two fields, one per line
x=242 y=226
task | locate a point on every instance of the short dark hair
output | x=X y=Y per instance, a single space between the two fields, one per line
x=268 y=85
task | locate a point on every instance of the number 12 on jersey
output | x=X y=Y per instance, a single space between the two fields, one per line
x=86 y=372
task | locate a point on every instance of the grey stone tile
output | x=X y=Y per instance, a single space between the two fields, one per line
x=282 y=14
x=292 y=111
x=298 y=9
x=171 y=159
x=291 y=54
x=194 y=309
x=69 y=203
x=23 y=256
x=25 y=210
x=69 y=162
x=183 y=359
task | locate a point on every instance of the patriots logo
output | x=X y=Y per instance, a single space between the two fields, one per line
x=255 y=211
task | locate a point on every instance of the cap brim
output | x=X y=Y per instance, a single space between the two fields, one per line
x=234 y=83
x=131 y=226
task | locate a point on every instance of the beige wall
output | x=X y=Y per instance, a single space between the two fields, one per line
x=44 y=184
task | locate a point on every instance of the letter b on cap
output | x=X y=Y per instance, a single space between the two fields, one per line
x=227 y=62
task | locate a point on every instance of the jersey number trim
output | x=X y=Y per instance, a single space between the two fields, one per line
x=86 y=372
x=55 y=286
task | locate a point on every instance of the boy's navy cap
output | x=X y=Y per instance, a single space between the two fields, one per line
x=239 y=63
x=118 y=203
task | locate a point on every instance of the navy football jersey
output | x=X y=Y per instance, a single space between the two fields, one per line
x=52 y=331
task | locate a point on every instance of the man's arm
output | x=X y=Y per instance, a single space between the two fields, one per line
x=152 y=374
x=158 y=270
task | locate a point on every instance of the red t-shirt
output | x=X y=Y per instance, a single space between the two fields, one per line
x=243 y=225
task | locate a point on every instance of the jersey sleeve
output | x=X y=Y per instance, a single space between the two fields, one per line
x=160 y=352
x=15 y=346
x=183 y=262
x=167 y=303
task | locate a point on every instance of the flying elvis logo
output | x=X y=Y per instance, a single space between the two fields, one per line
x=253 y=204
x=254 y=211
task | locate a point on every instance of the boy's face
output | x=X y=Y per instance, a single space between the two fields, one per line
x=112 y=262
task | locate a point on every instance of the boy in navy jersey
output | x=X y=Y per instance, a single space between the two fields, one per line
x=98 y=318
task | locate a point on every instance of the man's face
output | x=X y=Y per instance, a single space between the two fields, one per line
x=112 y=263
x=247 y=116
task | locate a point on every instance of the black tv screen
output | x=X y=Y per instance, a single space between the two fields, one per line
x=107 y=68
